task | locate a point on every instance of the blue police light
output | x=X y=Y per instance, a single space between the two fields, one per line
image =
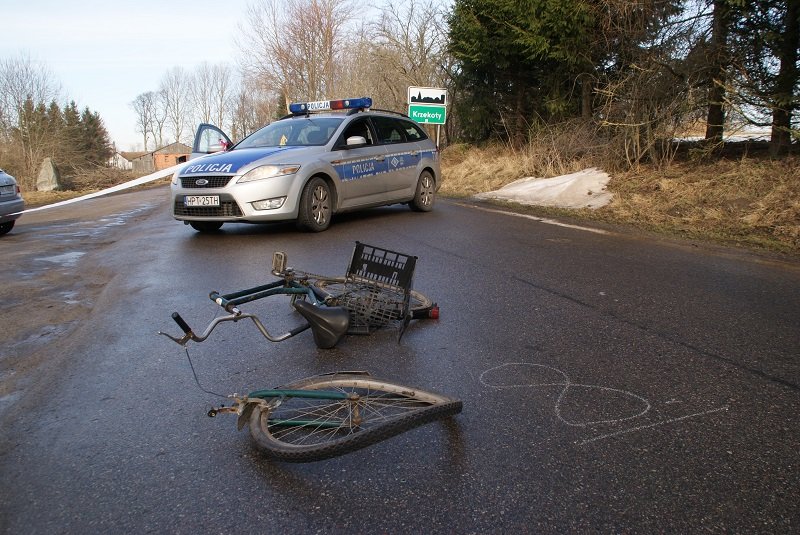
x=328 y=105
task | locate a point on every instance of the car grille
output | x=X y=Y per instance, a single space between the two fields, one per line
x=213 y=181
x=225 y=209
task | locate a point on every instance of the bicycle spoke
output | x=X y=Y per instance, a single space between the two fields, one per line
x=305 y=421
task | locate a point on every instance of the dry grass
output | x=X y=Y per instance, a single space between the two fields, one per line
x=42 y=198
x=747 y=201
x=750 y=201
x=552 y=151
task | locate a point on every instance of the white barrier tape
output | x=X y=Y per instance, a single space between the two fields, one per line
x=119 y=187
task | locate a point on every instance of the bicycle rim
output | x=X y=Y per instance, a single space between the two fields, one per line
x=302 y=430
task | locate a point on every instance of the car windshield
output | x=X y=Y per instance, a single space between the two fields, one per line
x=294 y=132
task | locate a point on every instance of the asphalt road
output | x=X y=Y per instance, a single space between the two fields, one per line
x=611 y=382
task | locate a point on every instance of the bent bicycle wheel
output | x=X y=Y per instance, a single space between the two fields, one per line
x=294 y=428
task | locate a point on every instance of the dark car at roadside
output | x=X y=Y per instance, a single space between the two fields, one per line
x=11 y=203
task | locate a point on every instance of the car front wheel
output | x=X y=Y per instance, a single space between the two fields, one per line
x=316 y=207
x=425 y=195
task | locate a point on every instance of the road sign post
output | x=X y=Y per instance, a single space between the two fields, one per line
x=428 y=105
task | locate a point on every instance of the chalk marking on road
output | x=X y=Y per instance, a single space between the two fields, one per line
x=485 y=379
x=567 y=384
x=538 y=219
x=648 y=426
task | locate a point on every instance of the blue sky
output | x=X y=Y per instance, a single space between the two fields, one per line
x=105 y=53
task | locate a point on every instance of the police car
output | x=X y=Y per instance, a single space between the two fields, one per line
x=324 y=158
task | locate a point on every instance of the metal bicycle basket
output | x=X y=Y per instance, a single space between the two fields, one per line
x=377 y=288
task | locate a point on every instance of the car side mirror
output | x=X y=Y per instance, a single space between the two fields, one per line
x=356 y=141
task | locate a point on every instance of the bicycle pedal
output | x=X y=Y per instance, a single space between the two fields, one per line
x=279 y=261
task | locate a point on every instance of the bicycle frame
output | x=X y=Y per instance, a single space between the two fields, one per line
x=285 y=286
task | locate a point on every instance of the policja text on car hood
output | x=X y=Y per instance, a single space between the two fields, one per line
x=231 y=162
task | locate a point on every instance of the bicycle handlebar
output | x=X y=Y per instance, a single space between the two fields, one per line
x=190 y=335
x=297 y=284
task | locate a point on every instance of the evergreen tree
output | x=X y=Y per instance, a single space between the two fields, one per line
x=766 y=76
x=94 y=138
x=524 y=61
x=495 y=78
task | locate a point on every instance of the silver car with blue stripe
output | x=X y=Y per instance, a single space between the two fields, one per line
x=324 y=158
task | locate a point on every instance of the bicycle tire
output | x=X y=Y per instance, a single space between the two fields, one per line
x=333 y=287
x=383 y=410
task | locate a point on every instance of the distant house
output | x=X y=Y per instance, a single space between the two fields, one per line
x=150 y=162
x=124 y=160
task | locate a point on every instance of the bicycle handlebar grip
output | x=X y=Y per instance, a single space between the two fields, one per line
x=181 y=323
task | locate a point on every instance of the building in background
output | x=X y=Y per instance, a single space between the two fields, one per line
x=150 y=162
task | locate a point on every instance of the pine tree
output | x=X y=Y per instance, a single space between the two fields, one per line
x=521 y=61
x=94 y=138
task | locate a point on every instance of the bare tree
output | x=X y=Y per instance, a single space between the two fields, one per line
x=21 y=79
x=411 y=47
x=296 y=46
x=254 y=106
x=175 y=90
x=26 y=88
x=222 y=93
x=360 y=51
x=201 y=91
x=144 y=107
x=159 y=117
x=212 y=92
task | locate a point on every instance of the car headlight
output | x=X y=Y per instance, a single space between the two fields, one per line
x=175 y=179
x=269 y=171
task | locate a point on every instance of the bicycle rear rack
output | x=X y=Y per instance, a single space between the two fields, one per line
x=378 y=269
x=389 y=268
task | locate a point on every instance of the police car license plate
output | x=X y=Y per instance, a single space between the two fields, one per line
x=7 y=190
x=201 y=200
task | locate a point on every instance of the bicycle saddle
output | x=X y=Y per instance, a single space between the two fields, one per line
x=328 y=324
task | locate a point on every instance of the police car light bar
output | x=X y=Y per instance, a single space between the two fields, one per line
x=326 y=105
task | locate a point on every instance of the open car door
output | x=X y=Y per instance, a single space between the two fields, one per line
x=209 y=139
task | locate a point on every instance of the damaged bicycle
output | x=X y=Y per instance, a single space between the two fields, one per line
x=332 y=414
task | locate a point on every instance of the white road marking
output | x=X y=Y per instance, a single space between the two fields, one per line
x=538 y=219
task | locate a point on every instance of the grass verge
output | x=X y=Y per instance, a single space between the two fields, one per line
x=746 y=201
